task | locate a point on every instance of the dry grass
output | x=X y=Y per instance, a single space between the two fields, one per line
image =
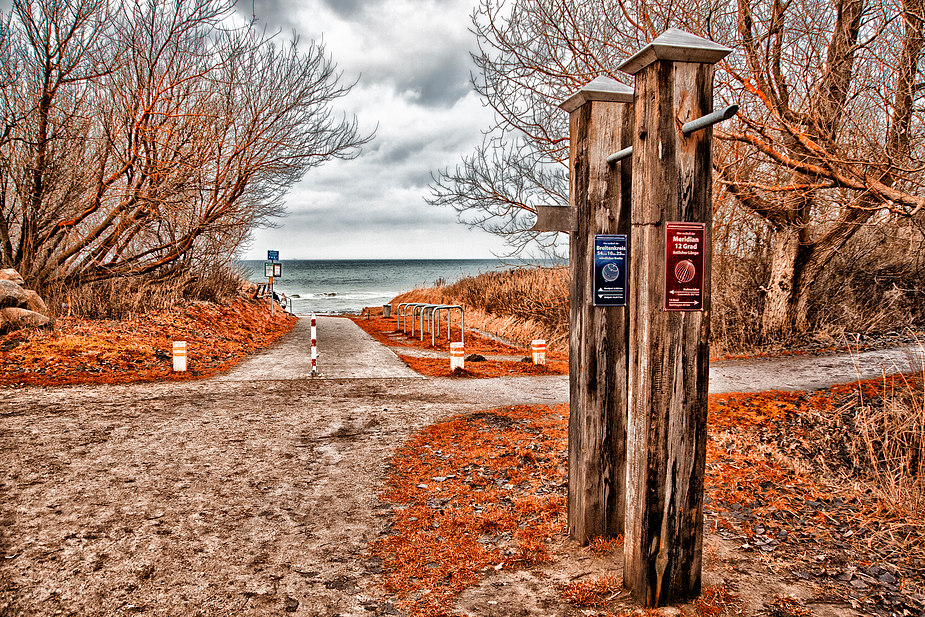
x=128 y=297
x=477 y=493
x=95 y=351
x=889 y=441
x=716 y=600
x=594 y=592
x=440 y=367
x=461 y=490
x=518 y=305
x=872 y=293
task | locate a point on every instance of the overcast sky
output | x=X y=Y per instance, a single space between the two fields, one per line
x=412 y=61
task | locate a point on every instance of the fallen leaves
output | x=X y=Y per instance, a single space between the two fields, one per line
x=387 y=332
x=440 y=367
x=479 y=492
x=592 y=593
x=85 y=351
x=484 y=491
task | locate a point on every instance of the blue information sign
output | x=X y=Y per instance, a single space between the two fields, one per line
x=610 y=270
x=272 y=255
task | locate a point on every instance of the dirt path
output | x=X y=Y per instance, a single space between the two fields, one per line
x=250 y=494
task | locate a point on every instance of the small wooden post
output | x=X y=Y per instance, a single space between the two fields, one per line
x=669 y=317
x=600 y=123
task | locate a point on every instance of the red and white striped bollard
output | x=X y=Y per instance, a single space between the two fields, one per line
x=457 y=356
x=539 y=352
x=314 y=347
x=179 y=355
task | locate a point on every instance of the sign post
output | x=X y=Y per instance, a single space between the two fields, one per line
x=684 y=248
x=272 y=270
x=669 y=308
x=610 y=261
x=600 y=121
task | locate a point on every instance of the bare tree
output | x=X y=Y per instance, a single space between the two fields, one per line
x=829 y=135
x=156 y=133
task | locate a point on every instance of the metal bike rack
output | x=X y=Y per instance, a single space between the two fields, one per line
x=424 y=309
x=401 y=315
x=414 y=309
x=449 y=309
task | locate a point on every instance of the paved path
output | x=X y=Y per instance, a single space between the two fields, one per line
x=346 y=352
x=257 y=492
x=812 y=372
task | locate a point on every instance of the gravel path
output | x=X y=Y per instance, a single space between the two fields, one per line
x=254 y=493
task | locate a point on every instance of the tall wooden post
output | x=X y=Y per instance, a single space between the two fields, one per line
x=600 y=123
x=669 y=317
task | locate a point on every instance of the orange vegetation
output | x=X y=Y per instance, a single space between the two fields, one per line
x=479 y=492
x=79 y=351
x=387 y=333
x=715 y=600
x=605 y=546
x=487 y=490
x=594 y=592
x=440 y=367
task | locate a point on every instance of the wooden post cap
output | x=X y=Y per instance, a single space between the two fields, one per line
x=598 y=89
x=678 y=46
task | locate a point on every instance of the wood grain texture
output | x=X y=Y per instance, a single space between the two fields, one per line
x=668 y=351
x=554 y=218
x=599 y=195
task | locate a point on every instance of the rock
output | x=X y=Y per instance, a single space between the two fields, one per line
x=11 y=294
x=9 y=274
x=13 y=318
x=35 y=303
x=474 y=357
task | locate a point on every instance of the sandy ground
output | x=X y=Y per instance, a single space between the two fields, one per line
x=255 y=493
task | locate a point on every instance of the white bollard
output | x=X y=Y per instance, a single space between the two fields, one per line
x=179 y=355
x=457 y=359
x=539 y=352
x=314 y=347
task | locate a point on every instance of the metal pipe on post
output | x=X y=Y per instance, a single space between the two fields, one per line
x=669 y=316
x=616 y=157
x=600 y=121
x=398 y=315
x=710 y=119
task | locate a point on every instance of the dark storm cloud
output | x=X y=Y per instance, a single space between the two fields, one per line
x=347 y=8
x=273 y=14
x=335 y=219
x=438 y=80
x=427 y=60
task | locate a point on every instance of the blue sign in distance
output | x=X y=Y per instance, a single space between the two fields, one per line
x=272 y=255
x=610 y=254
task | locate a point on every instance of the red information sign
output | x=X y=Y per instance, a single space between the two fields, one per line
x=684 y=247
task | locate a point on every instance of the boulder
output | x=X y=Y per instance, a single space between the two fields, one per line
x=9 y=274
x=11 y=294
x=14 y=318
x=35 y=303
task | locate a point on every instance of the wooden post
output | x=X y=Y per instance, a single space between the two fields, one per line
x=669 y=317
x=600 y=122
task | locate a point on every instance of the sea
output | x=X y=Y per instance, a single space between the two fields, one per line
x=343 y=286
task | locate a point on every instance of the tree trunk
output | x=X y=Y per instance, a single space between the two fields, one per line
x=777 y=316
